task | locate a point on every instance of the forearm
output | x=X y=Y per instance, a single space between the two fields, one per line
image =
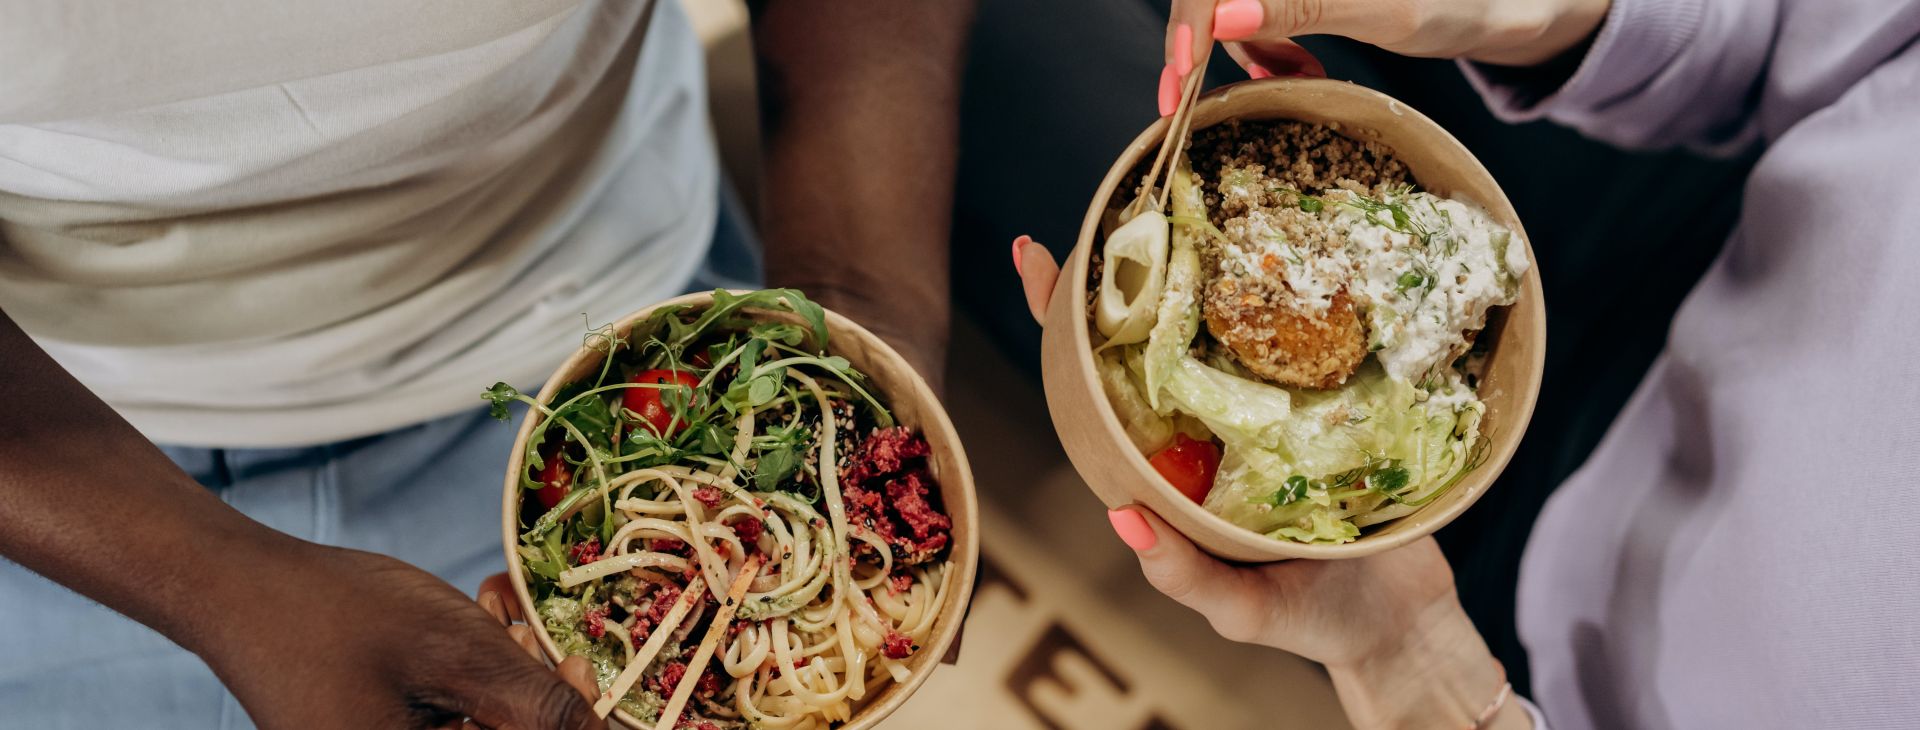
x=89 y=503
x=1441 y=676
x=861 y=100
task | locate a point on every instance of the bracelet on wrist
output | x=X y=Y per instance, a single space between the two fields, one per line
x=1486 y=716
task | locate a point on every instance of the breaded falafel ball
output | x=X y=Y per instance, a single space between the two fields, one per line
x=1274 y=339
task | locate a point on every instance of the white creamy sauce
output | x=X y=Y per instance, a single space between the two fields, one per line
x=1423 y=270
x=1256 y=243
x=1425 y=276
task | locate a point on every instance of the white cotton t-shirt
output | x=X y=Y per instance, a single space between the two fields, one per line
x=271 y=224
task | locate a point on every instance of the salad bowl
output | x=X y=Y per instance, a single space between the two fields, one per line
x=1091 y=431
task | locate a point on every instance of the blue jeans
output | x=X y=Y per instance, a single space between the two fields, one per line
x=427 y=494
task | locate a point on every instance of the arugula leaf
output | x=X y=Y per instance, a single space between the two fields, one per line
x=591 y=415
x=726 y=304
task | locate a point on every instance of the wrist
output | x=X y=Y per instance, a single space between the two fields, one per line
x=235 y=573
x=917 y=329
x=1440 y=676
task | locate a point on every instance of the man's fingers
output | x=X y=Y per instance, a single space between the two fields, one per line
x=1235 y=606
x=1276 y=58
x=524 y=637
x=490 y=602
x=1038 y=272
x=499 y=585
x=527 y=696
x=577 y=672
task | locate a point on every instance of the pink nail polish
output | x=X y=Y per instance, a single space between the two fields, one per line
x=1132 y=529
x=1169 y=91
x=1019 y=247
x=1238 y=19
x=1258 y=71
x=1183 y=50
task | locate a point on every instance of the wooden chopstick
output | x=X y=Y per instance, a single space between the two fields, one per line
x=1178 y=125
x=655 y=642
x=697 y=666
x=1185 y=131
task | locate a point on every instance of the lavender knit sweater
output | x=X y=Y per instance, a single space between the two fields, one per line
x=1743 y=548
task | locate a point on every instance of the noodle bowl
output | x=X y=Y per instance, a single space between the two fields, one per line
x=857 y=571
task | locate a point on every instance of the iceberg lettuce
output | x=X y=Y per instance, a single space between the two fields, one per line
x=1304 y=474
x=1179 y=316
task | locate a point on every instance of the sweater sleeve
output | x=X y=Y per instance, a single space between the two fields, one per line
x=1659 y=73
x=1534 y=716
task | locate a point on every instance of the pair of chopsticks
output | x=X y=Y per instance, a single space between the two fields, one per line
x=1179 y=126
x=670 y=715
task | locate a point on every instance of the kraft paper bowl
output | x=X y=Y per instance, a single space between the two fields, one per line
x=912 y=403
x=1092 y=434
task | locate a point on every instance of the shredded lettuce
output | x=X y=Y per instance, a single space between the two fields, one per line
x=1148 y=430
x=1243 y=413
x=1307 y=473
x=1321 y=527
x=1179 y=316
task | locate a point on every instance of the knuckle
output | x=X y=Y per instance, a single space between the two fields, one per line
x=1401 y=21
x=1520 y=25
x=1296 y=16
x=1233 y=629
x=1169 y=579
x=559 y=706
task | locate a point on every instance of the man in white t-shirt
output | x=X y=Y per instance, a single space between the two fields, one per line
x=291 y=241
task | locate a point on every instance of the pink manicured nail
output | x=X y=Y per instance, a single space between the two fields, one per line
x=1132 y=529
x=1169 y=91
x=1019 y=247
x=1237 y=19
x=1257 y=71
x=1183 y=50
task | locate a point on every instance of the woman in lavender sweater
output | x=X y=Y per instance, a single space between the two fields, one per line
x=1742 y=549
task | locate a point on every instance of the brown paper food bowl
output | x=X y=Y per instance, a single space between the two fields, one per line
x=913 y=404
x=1092 y=434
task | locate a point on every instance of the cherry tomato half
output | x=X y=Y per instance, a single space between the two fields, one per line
x=650 y=404
x=1189 y=465
x=557 y=475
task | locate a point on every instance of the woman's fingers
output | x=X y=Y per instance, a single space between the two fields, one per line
x=1189 y=36
x=1276 y=58
x=1236 y=605
x=1269 y=20
x=1038 y=272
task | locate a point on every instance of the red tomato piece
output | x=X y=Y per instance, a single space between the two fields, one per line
x=557 y=475
x=1189 y=465
x=650 y=403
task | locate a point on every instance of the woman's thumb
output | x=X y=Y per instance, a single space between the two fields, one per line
x=1038 y=272
x=1178 y=568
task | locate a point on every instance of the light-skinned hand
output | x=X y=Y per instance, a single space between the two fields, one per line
x=1258 y=33
x=1389 y=627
